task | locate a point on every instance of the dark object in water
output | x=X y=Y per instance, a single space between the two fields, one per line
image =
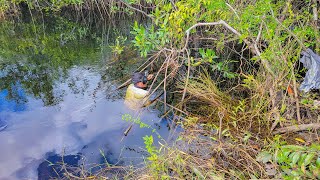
x=3 y=125
x=51 y=168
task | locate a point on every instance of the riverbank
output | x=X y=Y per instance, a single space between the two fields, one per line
x=230 y=71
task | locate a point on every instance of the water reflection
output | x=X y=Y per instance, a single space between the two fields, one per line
x=52 y=100
x=78 y=124
x=12 y=104
x=33 y=59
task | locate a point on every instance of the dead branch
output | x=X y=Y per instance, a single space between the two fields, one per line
x=296 y=128
x=315 y=11
x=234 y=11
x=186 y=113
x=187 y=79
x=139 y=10
x=252 y=46
x=296 y=97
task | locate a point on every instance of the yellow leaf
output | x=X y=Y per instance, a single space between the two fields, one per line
x=300 y=140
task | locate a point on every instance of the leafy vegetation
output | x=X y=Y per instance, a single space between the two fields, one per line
x=294 y=161
x=230 y=70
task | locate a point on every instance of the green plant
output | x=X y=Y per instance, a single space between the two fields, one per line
x=119 y=45
x=129 y=118
x=293 y=161
x=148 y=40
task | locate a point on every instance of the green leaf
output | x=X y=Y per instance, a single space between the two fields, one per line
x=286 y=153
x=309 y=158
x=264 y=157
x=318 y=162
x=293 y=148
x=302 y=158
x=198 y=173
x=295 y=158
x=303 y=168
x=283 y=108
x=295 y=173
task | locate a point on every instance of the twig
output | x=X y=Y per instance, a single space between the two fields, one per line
x=187 y=80
x=164 y=89
x=126 y=132
x=259 y=34
x=128 y=129
x=162 y=81
x=155 y=77
x=296 y=98
x=285 y=10
x=186 y=113
x=148 y=103
x=290 y=32
x=221 y=115
x=296 y=128
x=233 y=10
x=276 y=119
x=315 y=11
x=139 y=10
x=252 y=46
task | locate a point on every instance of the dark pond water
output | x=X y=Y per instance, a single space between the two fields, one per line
x=55 y=98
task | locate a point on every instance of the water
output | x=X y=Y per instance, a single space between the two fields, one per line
x=54 y=102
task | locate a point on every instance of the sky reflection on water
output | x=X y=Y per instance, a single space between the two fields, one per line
x=77 y=124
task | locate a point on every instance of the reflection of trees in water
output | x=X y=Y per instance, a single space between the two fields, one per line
x=35 y=60
x=37 y=53
x=37 y=81
x=118 y=71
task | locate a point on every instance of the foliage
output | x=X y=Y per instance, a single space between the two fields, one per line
x=207 y=92
x=293 y=161
x=249 y=68
x=154 y=158
x=129 y=118
x=40 y=5
x=118 y=48
x=147 y=40
x=262 y=46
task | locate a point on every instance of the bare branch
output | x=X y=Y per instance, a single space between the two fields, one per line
x=139 y=10
x=233 y=10
x=315 y=11
x=296 y=128
x=252 y=46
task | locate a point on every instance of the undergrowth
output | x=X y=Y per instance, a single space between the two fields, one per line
x=230 y=71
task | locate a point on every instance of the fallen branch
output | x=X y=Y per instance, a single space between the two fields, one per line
x=297 y=128
x=186 y=113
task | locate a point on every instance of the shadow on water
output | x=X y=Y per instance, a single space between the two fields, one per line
x=53 y=99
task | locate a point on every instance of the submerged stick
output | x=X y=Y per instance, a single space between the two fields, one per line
x=186 y=113
x=296 y=128
x=148 y=103
x=128 y=130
